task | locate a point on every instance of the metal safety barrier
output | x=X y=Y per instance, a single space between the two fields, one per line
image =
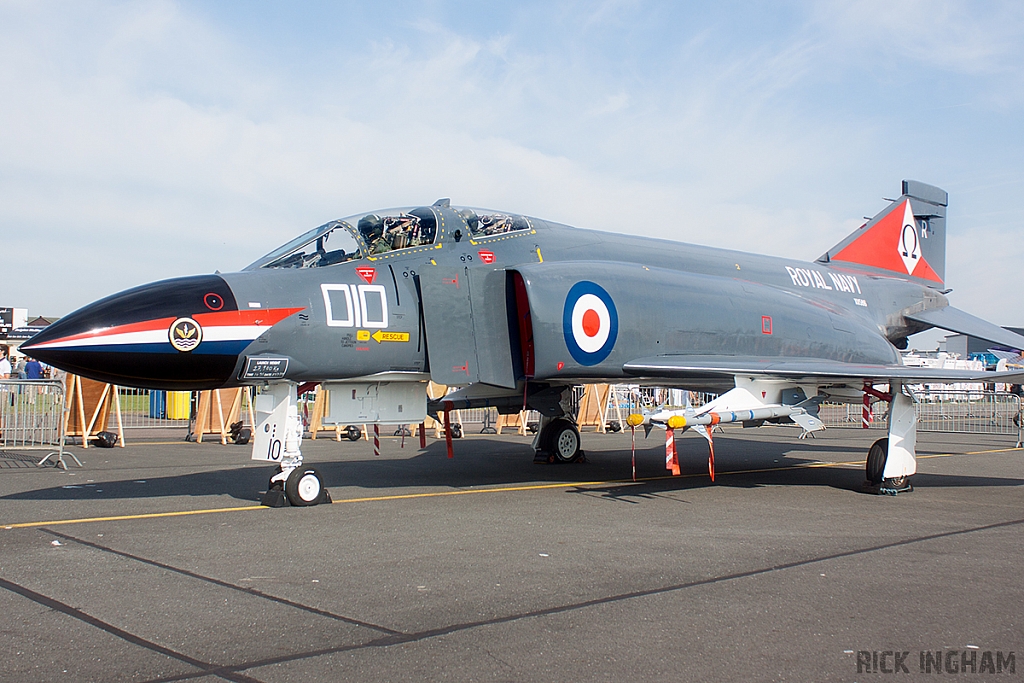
x=32 y=416
x=146 y=408
x=953 y=411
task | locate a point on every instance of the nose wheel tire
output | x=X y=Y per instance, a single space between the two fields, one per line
x=304 y=487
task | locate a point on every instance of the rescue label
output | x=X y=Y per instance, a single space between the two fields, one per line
x=381 y=336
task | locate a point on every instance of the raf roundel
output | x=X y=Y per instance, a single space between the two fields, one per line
x=590 y=323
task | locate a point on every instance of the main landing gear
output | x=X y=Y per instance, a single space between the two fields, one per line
x=891 y=461
x=878 y=454
x=558 y=440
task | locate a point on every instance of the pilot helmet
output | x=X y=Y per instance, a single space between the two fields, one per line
x=471 y=218
x=371 y=227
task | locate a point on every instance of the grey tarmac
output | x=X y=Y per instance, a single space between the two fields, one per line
x=488 y=567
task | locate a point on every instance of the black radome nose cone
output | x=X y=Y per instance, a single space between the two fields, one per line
x=149 y=336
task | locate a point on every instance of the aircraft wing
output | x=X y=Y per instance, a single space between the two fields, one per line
x=955 y=320
x=711 y=370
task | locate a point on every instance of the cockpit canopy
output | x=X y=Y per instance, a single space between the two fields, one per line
x=379 y=232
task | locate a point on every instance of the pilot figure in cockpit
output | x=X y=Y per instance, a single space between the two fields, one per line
x=371 y=227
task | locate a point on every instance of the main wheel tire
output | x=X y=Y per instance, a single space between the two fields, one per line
x=456 y=431
x=353 y=433
x=563 y=441
x=304 y=487
x=875 y=465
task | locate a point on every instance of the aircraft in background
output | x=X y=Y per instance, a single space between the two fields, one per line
x=517 y=310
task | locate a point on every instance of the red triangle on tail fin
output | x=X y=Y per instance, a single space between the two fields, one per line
x=892 y=243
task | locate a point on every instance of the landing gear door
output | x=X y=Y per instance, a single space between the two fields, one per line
x=271 y=420
x=466 y=325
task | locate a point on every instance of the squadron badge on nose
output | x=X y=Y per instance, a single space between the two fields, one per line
x=185 y=334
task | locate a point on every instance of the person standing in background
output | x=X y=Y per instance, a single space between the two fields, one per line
x=33 y=371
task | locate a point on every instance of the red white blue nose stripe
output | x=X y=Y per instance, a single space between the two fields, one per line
x=220 y=333
x=590 y=323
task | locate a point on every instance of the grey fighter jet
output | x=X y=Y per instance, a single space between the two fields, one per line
x=516 y=310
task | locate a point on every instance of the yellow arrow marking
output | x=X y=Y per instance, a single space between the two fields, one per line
x=382 y=336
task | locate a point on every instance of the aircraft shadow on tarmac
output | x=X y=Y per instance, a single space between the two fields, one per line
x=741 y=464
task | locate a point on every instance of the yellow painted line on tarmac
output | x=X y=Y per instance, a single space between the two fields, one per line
x=498 y=489
x=948 y=455
x=118 y=518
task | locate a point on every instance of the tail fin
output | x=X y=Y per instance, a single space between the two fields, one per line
x=907 y=238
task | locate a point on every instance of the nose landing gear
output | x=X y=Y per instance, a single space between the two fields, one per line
x=278 y=438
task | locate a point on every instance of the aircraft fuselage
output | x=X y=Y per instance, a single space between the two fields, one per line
x=366 y=316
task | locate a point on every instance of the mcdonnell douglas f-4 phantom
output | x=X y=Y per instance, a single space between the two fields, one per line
x=516 y=310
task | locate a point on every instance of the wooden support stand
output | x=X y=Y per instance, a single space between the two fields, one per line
x=210 y=415
x=94 y=399
x=592 y=407
x=515 y=420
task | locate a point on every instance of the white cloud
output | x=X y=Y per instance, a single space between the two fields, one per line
x=955 y=35
x=158 y=144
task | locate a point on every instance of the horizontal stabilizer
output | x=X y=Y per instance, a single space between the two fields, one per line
x=955 y=320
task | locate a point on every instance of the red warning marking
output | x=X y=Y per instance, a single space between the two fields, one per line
x=560 y=365
x=213 y=301
x=880 y=247
x=461 y=368
x=591 y=322
x=671 y=456
x=451 y=281
x=448 y=428
x=368 y=274
x=766 y=324
x=711 y=455
x=486 y=256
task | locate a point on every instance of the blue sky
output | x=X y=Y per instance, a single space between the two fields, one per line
x=146 y=140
